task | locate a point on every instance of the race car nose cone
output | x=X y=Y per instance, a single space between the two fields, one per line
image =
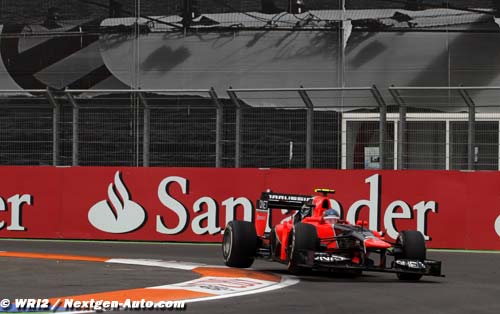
x=376 y=243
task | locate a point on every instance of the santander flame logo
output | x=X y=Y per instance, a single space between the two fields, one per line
x=122 y=216
x=497 y=225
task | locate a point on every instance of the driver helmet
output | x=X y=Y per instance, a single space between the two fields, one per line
x=331 y=216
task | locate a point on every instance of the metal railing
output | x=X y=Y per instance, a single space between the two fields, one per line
x=306 y=102
x=354 y=127
x=103 y=127
x=454 y=101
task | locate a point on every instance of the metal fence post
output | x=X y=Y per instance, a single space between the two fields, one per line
x=309 y=126
x=218 y=128
x=382 y=124
x=75 y=125
x=146 y=137
x=56 y=114
x=471 y=130
x=402 y=125
x=237 y=131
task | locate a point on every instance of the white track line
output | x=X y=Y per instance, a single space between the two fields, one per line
x=156 y=263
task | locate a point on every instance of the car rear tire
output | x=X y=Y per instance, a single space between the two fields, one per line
x=239 y=244
x=302 y=237
x=412 y=244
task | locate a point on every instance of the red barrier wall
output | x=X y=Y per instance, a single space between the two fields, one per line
x=453 y=209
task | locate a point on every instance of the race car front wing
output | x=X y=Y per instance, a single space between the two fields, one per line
x=328 y=261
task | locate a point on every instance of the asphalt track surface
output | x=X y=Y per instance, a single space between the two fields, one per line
x=472 y=283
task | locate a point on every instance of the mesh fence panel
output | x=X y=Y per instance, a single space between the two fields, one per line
x=182 y=131
x=363 y=139
x=274 y=129
x=229 y=135
x=173 y=127
x=444 y=124
x=65 y=133
x=273 y=138
x=326 y=151
x=109 y=131
x=486 y=147
x=26 y=133
x=425 y=145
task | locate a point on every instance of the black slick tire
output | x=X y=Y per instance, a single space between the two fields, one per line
x=412 y=244
x=239 y=244
x=303 y=237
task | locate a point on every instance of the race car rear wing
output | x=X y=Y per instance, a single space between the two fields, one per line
x=271 y=200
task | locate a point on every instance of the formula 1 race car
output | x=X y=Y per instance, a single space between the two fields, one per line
x=316 y=238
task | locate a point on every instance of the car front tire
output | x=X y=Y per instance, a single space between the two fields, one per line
x=412 y=244
x=303 y=237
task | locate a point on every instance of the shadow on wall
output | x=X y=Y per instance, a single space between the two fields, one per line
x=324 y=43
x=472 y=59
x=165 y=56
x=371 y=51
x=468 y=54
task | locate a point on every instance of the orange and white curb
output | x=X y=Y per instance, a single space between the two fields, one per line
x=215 y=282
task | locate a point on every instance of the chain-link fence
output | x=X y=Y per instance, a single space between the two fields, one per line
x=248 y=128
x=447 y=127
x=111 y=128
x=296 y=128
x=347 y=128
x=27 y=130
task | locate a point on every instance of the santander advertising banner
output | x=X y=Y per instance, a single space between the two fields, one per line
x=452 y=209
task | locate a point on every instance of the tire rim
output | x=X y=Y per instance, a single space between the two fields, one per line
x=228 y=243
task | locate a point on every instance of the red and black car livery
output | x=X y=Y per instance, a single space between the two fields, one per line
x=316 y=238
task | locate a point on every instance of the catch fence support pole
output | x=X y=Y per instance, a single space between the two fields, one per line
x=237 y=132
x=471 y=129
x=309 y=125
x=56 y=115
x=75 y=125
x=146 y=129
x=218 y=128
x=402 y=126
x=382 y=124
